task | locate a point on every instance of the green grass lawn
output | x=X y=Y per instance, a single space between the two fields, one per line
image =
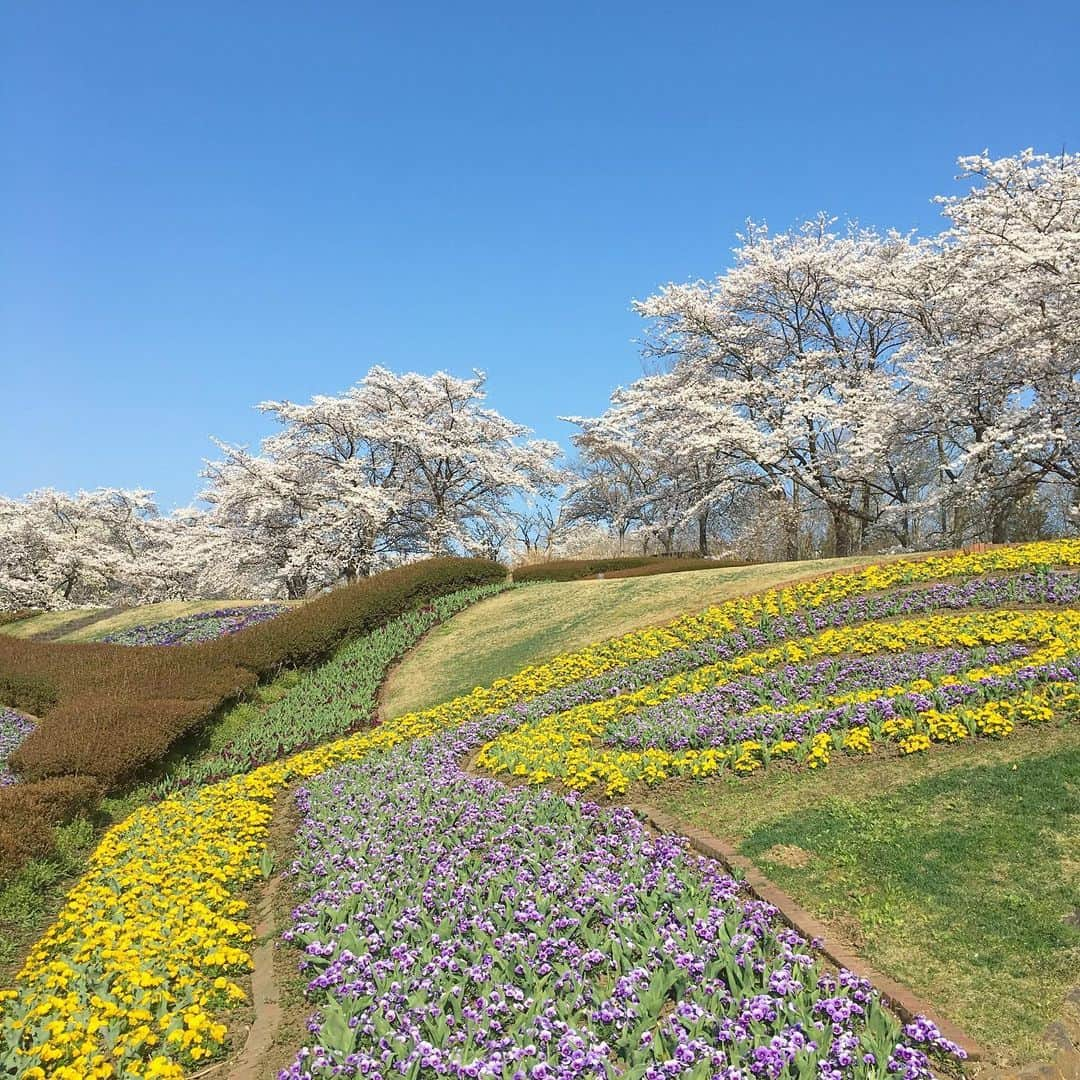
x=532 y=624
x=48 y=620
x=956 y=872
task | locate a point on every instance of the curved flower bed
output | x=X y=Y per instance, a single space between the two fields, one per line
x=190 y=629
x=569 y=746
x=131 y=977
x=826 y=692
x=531 y=935
x=14 y=727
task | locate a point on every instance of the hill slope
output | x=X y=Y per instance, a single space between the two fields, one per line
x=536 y=622
x=144 y=615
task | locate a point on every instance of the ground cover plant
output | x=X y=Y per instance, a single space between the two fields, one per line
x=108 y=711
x=190 y=629
x=535 y=935
x=148 y=950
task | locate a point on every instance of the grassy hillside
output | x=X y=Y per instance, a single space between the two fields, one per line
x=536 y=622
x=44 y=623
x=887 y=743
x=145 y=615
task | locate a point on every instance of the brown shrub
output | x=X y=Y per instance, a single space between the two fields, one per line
x=29 y=812
x=675 y=566
x=27 y=694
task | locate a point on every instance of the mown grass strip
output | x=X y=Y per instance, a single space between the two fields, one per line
x=955 y=872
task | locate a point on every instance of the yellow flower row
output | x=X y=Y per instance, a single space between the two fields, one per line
x=585 y=768
x=150 y=943
x=563 y=745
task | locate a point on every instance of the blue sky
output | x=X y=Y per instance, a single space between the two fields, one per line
x=206 y=205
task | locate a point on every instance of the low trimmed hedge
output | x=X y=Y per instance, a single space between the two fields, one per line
x=28 y=813
x=108 y=711
x=628 y=566
x=675 y=566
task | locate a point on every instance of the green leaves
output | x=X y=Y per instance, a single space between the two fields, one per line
x=266 y=862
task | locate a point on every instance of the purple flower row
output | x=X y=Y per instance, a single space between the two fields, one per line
x=718 y=717
x=191 y=629
x=454 y=927
x=14 y=727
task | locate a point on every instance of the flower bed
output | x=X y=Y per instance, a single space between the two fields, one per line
x=534 y=935
x=14 y=727
x=569 y=745
x=106 y=711
x=151 y=942
x=191 y=629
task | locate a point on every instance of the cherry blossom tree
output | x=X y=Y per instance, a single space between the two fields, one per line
x=60 y=551
x=781 y=372
x=995 y=304
x=397 y=466
x=916 y=391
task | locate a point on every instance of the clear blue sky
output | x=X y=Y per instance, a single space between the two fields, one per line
x=206 y=205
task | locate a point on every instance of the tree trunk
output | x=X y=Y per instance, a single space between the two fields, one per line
x=703 y=535
x=999 y=527
x=865 y=518
x=790 y=514
x=843 y=532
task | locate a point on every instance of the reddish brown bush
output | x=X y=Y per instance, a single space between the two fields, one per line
x=30 y=695
x=674 y=566
x=28 y=813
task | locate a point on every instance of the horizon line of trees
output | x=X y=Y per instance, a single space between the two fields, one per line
x=834 y=391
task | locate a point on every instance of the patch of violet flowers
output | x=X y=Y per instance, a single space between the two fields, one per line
x=719 y=716
x=455 y=927
x=191 y=629
x=14 y=727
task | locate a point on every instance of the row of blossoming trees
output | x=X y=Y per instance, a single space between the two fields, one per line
x=833 y=391
x=838 y=389
x=398 y=467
